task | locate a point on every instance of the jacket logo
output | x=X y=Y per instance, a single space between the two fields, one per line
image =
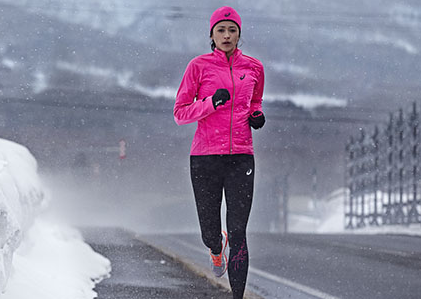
x=243 y=76
x=227 y=15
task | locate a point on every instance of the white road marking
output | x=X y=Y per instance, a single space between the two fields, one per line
x=300 y=287
x=297 y=286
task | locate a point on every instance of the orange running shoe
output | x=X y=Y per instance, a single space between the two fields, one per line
x=219 y=263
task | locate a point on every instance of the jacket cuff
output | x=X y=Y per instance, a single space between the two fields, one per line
x=208 y=105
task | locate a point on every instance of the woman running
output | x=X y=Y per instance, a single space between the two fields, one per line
x=223 y=91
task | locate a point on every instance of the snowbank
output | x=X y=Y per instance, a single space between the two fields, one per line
x=21 y=198
x=53 y=262
x=39 y=259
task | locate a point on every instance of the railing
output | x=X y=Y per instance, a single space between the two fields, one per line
x=383 y=174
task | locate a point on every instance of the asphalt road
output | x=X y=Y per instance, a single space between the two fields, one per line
x=142 y=272
x=320 y=266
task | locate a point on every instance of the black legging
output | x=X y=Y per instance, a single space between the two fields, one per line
x=235 y=175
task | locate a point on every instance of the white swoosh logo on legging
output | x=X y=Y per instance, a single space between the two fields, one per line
x=249 y=171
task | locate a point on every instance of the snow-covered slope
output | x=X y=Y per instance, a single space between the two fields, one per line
x=361 y=51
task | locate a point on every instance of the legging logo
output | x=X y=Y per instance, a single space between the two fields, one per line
x=240 y=257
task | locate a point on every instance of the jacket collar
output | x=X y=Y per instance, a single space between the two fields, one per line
x=221 y=55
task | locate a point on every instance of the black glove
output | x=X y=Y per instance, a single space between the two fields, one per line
x=220 y=97
x=257 y=120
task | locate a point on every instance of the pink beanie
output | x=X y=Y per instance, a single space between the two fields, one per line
x=225 y=13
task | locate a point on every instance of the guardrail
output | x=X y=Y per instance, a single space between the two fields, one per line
x=383 y=173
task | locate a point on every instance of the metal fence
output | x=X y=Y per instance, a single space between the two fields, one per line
x=383 y=173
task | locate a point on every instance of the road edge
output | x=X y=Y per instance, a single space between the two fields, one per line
x=198 y=270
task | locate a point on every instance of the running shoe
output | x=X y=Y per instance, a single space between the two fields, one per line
x=219 y=263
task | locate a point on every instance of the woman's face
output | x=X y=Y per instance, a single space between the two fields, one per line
x=226 y=35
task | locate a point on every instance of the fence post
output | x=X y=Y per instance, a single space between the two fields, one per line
x=399 y=214
x=375 y=153
x=350 y=171
x=362 y=181
x=387 y=217
x=413 y=214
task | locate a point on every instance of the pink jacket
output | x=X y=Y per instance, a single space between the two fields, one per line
x=225 y=130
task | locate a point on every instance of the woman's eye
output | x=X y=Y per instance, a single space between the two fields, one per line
x=233 y=31
x=221 y=30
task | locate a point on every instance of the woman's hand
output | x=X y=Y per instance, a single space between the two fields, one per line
x=257 y=120
x=220 y=97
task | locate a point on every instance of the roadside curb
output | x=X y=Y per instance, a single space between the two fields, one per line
x=199 y=270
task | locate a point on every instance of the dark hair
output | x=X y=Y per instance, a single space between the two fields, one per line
x=213 y=45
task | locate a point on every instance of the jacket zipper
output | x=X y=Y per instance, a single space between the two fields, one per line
x=232 y=104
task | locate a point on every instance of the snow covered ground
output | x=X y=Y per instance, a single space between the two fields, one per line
x=328 y=218
x=39 y=258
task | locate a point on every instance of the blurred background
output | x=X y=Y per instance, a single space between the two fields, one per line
x=89 y=87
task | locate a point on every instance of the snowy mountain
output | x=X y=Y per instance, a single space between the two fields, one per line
x=362 y=53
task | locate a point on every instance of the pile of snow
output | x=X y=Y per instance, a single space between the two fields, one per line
x=39 y=259
x=333 y=220
x=21 y=198
x=53 y=262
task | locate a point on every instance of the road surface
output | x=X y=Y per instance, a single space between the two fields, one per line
x=307 y=266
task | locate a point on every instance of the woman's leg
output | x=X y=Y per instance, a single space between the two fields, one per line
x=238 y=185
x=207 y=181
